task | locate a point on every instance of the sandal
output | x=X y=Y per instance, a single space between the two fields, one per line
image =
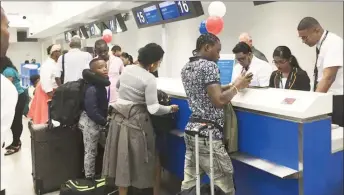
x=12 y=145
x=13 y=150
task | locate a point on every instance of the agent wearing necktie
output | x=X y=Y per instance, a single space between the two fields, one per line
x=328 y=70
x=248 y=63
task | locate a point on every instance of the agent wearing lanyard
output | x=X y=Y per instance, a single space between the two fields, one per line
x=328 y=70
x=289 y=74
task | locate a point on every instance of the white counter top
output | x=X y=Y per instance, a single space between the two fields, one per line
x=291 y=103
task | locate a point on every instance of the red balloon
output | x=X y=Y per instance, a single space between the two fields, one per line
x=107 y=38
x=214 y=24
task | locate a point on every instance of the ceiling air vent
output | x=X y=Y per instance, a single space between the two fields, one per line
x=22 y=37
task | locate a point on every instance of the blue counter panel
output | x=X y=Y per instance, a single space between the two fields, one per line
x=323 y=171
x=184 y=112
x=268 y=138
x=251 y=181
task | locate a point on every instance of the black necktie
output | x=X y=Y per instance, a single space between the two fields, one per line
x=316 y=70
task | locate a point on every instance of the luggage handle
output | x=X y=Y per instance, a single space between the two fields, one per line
x=50 y=122
x=196 y=131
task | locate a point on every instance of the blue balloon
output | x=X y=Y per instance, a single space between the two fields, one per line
x=202 y=27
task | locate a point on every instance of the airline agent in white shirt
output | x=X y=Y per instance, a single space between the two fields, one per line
x=328 y=69
x=74 y=62
x=260 y=69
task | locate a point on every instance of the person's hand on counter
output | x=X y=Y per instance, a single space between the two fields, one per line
x=174 y=108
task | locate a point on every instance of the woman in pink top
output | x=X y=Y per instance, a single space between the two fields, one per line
x=115 y=67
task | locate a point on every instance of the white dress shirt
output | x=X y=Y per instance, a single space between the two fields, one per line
x=75 y=61
x=331 y=54
x=49 y=71
x=9 y=97
x=260 y=69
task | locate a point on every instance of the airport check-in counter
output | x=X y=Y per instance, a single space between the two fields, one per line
x=287 y=145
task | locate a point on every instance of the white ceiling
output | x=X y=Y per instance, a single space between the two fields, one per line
x=36 y=10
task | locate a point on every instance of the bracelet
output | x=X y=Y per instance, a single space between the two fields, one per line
x=236 y=89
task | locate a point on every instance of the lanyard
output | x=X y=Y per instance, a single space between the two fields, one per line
x=316 y=63
x=281 y=83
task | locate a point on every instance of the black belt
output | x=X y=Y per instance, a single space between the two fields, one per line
x=200 y=120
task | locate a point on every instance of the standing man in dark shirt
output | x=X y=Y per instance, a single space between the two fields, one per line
x=206 y=98
x=246 y=38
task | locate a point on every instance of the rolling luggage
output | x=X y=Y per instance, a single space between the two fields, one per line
x=205 y=189
x=57 y=155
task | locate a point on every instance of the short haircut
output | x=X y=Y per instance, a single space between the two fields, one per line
x=49 y=49
x=116 y=48
x=204 y=39
x=75 y=42
x=34 y=78
x=93 y=62
x=242 y=47
x=307 y=23
x=99 y=43
x=149 y=54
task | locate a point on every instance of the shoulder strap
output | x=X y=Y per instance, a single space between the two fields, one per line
x=63 y=62
x=63 y=69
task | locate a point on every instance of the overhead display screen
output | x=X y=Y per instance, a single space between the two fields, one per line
x=152 y=14
x=174 y=9
x=156 y=13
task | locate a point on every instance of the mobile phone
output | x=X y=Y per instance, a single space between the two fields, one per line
x=249 y=75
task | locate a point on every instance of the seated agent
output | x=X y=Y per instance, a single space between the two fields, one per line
x=289 y=74
x=260 y=69
x=94 y=116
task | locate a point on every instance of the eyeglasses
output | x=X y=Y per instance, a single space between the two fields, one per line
x=279 y=61
x=241 y=59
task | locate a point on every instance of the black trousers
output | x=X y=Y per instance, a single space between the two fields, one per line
x=337 y=112
x=17 y=124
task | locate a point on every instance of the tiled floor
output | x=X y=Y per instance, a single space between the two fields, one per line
x=18 y=169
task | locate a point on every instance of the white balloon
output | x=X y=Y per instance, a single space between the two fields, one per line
x=217 y=8
x=107 y=32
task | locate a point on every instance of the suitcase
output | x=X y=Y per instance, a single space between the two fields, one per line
x=57 y=156
x=204 y=189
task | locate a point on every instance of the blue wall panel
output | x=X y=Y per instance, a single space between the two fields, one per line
x=251 y=181
x=268 y=138
x=184 y=112
x=323 y=171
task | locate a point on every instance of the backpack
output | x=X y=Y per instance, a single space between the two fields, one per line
x=164 y=123
x=87 y=187
x=67 y=102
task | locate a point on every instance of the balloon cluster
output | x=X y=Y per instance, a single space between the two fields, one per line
x=214 y=24
x=107 y=35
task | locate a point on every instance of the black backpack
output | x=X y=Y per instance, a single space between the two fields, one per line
x=67 y=102
x=164 y=123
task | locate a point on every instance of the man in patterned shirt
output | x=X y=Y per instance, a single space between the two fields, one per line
x=206 y=98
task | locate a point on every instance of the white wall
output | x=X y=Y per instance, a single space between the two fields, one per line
x=270 y=25
x=19 y=52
